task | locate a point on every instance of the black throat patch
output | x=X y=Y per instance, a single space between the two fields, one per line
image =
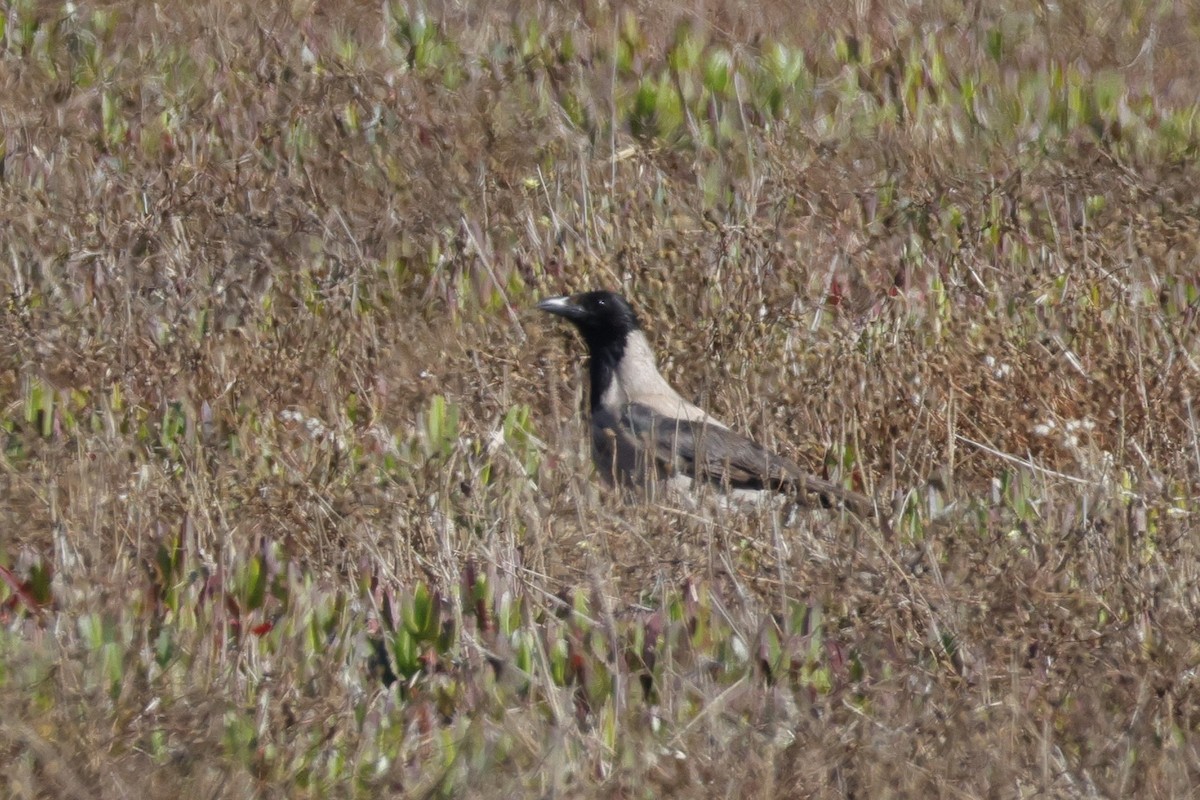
x=605 y=351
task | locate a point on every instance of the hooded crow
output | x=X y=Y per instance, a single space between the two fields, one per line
x=644 y=431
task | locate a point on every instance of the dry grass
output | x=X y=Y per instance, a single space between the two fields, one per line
x=294 y=490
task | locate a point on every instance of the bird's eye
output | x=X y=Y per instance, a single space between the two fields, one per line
x=601 y=302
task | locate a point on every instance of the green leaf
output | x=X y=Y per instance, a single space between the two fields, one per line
x=523 y=651
x=441 y=427
x=256 y=583
x=164 y=646
x=421 y=616
x=718 y=72
x=406 y=653
x=686 y=49
x=559 y=654
x=995 y=43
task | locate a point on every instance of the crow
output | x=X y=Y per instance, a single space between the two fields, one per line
x=644 y=432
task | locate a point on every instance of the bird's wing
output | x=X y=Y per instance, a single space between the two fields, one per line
x=720 y=456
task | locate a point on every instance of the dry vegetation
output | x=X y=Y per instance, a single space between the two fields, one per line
x=294 y=495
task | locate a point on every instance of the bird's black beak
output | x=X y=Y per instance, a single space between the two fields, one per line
x=563 y=307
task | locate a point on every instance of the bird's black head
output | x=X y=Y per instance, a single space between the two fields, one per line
x=604 y=319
